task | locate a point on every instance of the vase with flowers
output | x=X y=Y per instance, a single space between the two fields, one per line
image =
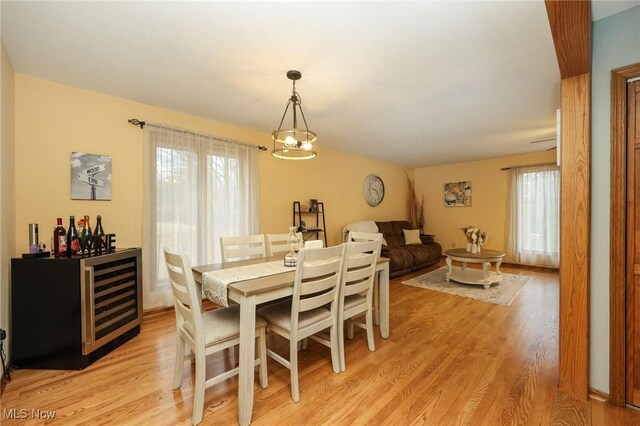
x=475 y=238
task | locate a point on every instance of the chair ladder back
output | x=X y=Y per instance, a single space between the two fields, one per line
x=355 y=236
x=279 y=243
x=238 y=247
x=359 y=280
x=183 y=288
x=359 y=267
x=317 y=279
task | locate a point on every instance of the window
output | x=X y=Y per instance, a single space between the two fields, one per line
x=533 y=231
x=197 y=189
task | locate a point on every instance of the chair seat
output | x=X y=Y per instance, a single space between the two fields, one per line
x=279 y=314
x=355 y=300
x=221 y=324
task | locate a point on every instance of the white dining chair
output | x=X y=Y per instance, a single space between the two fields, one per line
x=364 y=236
x=205 y=332
x=278 y=243
x=358 y=236
x=313 y=244
x=356 y=291
x=234 y=248
x=313 y=308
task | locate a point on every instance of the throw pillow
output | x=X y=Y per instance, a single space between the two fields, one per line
x=411 y=236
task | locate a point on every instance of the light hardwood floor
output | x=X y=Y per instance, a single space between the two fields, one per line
x=449 y=360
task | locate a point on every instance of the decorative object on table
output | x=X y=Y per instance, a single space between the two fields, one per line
x=90 y=176
x=110 y=243
x=373 y=190
x=85 y=235
x=502 y=293
x=303 y=226
x=34 y=239
x=313 y=205
x=457 y=194
x=304 y=208
x=99 y=230
x=294 y=143
x=73 y=239
x=95 y=245
x=59 y=239
x=290 y=259
x=475 y=238
x=36 y=248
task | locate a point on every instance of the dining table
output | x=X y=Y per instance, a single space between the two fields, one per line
x=252 y=292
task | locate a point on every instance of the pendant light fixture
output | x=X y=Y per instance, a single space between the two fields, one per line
x=294 y=143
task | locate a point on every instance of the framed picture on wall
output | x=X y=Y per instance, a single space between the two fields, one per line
x=90 y=176
x=457 y=194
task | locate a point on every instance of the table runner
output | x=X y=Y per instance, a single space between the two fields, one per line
x=216 y=282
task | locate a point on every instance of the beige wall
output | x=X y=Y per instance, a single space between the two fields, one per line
x=7 y=215
x=52 y=120
x=488 y=193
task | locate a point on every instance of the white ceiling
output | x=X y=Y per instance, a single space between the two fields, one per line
x=415 y=83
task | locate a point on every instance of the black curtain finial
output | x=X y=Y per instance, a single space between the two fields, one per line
x=137 y=122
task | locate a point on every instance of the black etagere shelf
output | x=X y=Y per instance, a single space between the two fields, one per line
x=316 y=228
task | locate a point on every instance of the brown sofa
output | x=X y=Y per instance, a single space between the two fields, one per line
x=407 y=258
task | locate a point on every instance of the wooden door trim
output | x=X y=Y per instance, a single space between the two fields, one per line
x=571 y=29
x=617 y=226
x=570 y=23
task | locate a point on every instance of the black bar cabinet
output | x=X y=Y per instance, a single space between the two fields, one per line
x=68 y=312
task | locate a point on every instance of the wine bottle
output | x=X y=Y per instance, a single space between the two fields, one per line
x=59 y=240
x=99 y=231
x=85 y=234
x=73 y=240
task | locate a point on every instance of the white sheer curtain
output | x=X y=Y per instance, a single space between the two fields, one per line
x=197 y=188
x=533 y=226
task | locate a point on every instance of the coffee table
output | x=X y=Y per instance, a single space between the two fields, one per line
x=465 y=275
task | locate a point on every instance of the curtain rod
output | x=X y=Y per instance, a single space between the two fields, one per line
x=528 y=165
x=140 y=123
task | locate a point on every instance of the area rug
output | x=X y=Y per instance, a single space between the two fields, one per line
x=502 y=293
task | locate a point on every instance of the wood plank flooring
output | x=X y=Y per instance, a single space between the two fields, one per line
x=449 y=361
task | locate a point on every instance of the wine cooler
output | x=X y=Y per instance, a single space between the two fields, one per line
x=69 y=312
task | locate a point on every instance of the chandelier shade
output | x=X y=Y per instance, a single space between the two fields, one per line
x=294 y=143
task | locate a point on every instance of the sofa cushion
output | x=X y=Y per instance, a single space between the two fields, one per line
x=411 y=236
x=426 y=239
x=400 y=258
x=392 y=232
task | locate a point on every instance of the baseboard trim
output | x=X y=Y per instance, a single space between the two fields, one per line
x=597 y=395
x=156 y=311
x=206 y=304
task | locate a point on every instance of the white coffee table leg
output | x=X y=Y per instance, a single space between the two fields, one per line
x=464 y=265
x=485 y=274
x=450 y=268
x=498 y=263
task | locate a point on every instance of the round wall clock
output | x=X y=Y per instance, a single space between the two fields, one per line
x=373 y=190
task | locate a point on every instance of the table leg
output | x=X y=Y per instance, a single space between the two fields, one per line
x=376 y=298
x=246 y=358
x=498 y=263
x=384 y=301
x=485 y=274
x=464 y=265
x=449 y=265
